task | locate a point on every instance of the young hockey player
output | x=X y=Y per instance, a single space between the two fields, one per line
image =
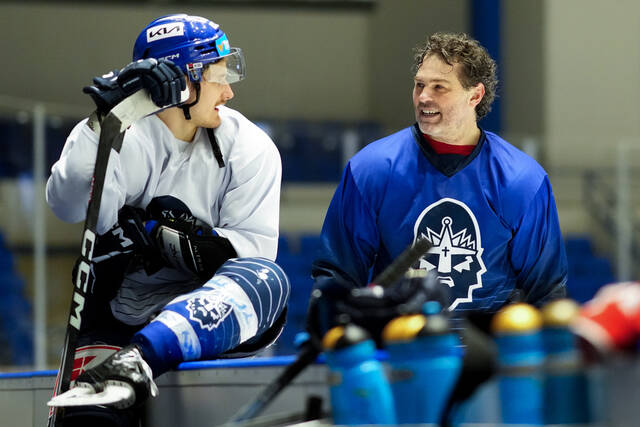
x=188 y=225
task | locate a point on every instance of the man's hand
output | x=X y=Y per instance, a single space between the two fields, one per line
x=334 y=301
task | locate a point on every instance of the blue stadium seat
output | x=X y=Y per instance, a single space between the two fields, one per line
x=16 y=139
x=56 y=135
x=17 y=149
x=583 y=288
x=15 y=311
x=16 y=317
x=310 y=245
x=587 y=271
x=578 y=246
x=290 y=144
x=312 y=151
x=321 y=145
x=283 y=245
x=297 y=265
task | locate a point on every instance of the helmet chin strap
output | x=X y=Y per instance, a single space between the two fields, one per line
x=185 y=108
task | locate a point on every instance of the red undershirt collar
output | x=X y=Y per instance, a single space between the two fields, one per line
x=444 y=148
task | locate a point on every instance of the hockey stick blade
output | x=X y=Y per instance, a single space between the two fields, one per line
x=114 y=394
x=131 y=109
x=309 y=353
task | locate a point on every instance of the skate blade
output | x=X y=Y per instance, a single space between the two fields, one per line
x=113 y=395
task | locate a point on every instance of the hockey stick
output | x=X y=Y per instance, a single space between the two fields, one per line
x=112 y=131
x=310 y=350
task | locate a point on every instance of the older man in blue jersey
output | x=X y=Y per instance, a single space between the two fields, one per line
x=487 y=207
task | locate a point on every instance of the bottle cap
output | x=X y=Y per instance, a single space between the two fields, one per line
x=404 y=328
x=344 y=336
x=560 y=313
x=437 y=324
x=517 y=318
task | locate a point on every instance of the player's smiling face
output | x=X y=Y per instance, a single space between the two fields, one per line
x=444 y=109
x=212 y=95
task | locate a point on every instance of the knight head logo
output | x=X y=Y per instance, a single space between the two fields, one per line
x=457 y=250
x=208 y=312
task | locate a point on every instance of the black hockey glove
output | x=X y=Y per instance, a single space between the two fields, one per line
x=374 y=307
x=335 y=300
x=162 y=79
x=190 y=245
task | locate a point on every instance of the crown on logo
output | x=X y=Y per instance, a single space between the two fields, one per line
x=446 y=236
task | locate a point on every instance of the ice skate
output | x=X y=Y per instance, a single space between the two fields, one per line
x=121 y=381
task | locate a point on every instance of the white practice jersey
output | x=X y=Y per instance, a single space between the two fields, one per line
x=240 y=200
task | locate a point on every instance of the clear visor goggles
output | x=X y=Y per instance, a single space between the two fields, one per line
x=229 y=69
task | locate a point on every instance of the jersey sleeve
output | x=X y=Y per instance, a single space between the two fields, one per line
x=69 y=185
x=350 y=237
x=250 y=208
x=537 y=249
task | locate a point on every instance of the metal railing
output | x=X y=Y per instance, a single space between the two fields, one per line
x=611 y=197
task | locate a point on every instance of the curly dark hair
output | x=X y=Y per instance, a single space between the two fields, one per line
x=477 y=65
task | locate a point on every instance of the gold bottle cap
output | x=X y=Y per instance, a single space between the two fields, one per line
x=560 y=313
x=515 y=318
x=331 y=337
x=404 y=328
x=344 y=336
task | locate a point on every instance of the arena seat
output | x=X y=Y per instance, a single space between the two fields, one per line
x=16 y=324
x=588 y=272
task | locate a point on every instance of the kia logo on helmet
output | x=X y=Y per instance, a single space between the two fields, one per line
x=164 y=31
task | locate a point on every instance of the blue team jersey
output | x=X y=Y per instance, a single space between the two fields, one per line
x=491 y=217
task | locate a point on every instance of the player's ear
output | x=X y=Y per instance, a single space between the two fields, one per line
x=477 y=93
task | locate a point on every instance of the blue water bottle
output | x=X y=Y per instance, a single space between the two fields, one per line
x=425 y=359
x=359 y=390
x=566 y=386
x=517 y=328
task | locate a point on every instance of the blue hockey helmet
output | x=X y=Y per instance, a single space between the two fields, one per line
x=192 y=43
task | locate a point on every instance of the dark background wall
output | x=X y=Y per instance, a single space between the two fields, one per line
x=311 y=63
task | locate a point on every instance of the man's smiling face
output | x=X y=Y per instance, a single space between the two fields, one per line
x=444 y=109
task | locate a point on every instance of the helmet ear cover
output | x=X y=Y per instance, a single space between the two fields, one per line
x=186 y=107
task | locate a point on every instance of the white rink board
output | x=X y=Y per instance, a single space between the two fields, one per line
x=209 y=393
x=202 y=394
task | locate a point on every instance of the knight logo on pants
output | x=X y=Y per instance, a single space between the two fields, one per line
x=208 y=312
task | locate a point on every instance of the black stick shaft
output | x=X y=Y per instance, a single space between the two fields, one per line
x=110 y=137
x=133 y=108
x=307 y=356
x=397 y=269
